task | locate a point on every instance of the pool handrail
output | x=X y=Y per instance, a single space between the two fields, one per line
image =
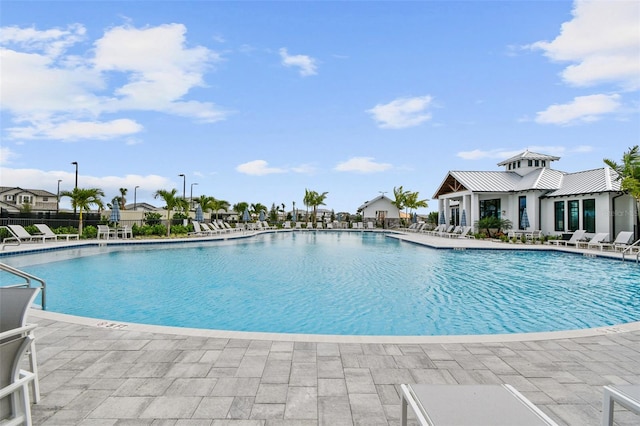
x=28 y=279
x=628 y=249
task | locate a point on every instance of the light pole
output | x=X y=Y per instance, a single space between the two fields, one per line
x=191 y=196
x=184 y=185
x=58 y=197
x=75 y=163
x=135 y=198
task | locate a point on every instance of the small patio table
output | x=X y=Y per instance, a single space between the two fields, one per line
x=626 y=395
x=478 y=405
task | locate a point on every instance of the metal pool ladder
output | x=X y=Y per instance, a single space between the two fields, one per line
x=628 y=249
x=28 y=278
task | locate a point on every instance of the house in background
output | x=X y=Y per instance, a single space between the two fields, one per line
x=533 y=196
x=382 y=210
x=16 y=199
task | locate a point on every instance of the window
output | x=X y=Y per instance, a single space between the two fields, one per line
x=544 y=163
x=589 y=215
x=574 y=215
x=8 y=197
x=490 y=208
x=25 y=199
x=537 y=163
x=45 y=198
x=518 y=163
x=522 y=208
x=509 y=166
x=529 y=163
x=558 y=215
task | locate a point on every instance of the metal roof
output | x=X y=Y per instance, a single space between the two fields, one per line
x=528 y=155
x=587 y=182
x=544 y=179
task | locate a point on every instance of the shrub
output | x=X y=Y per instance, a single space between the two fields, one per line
x=90 y=231
x=32 y=229
x=179 y=229
x=152 y=218
x=492 y=223
x=65 y=230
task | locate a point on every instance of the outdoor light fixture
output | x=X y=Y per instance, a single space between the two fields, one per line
x=135 y=198
x=184 y=185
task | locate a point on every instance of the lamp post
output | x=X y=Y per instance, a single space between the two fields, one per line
x=75 y=163
x=184 y=185
x=191 y=196
x=135 y=198
x=58 y=197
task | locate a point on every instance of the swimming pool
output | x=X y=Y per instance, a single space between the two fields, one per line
x=348 y=283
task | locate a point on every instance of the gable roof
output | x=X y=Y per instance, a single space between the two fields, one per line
x=544 y=179
x=36 y=192
x=378 y=198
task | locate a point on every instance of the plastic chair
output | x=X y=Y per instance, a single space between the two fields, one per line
x=15 y=408
x=14 y=306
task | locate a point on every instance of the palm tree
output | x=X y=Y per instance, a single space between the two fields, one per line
x=629 y=173
x=412 y=202
x=217 y=205
x=172 y=201
x=257 y=208
x=82 y=199
x=314 y=199
x=240 y=207
x=123 y=199
x=400 y=196
x=307 y=200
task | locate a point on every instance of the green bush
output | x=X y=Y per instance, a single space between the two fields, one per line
x=32 y=229
x=90 y=232
x=152 y=218
x=179 y=229
x=65 y=230
x=492 y=225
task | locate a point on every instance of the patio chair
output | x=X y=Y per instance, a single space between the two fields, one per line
x=577 y=236
x=14 y=307
x=319 y=225
x=370 y=225
x=23 y=235
x=597 y=239
x=309 y=225
x=620 y=243
x=15 y=407
x=626 y=395
x=478 y=405
x=125 y=232
x=286 y=225
x=106 y=232
x=45 y=230
x=298 y=225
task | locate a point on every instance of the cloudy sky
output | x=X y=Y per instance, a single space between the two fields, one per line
x=256 y=101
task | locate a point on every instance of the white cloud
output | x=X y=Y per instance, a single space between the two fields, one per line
x=73 y=130
x=129 y=69
x=403 y=112
x=304 y=169
x=362 y=165
x=306 y=64
x=601 y=41
x=502 y=154
x=6 y=155
x=581 y=109
x=258 y=168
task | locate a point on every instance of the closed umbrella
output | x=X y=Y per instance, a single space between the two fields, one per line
x=463 y=219
x=199 y=214
x=414 y=218
x=442 y=218
x=115 y=213
x=245 y=215
x=525 y=219
x=261 y=217
x=294 y=216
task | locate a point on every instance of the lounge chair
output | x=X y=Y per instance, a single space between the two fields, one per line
x=216 y=229
x=329 y=225
x=435 y=231
x=15 y=303
x=298 y=225
x=621 y=242
x=286 y=225
x=598 y=238
x=478 y=405
x=23 y=235
x=199 y=229
x=15 y=407
x=577 y=236
x=454 y=233
x=370 y=226
x=106 y=232
x=45 y=230
x=309 y=225
x=626 y=395
x=319 y=225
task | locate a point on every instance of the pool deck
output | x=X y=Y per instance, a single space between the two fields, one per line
x=95 y=372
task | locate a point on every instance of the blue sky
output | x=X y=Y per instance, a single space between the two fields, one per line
x=256 y=101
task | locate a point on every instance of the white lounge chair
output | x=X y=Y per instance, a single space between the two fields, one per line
x=478 y=405
x=370 y=226
x=15 y=303
x=620 y=243
x=319 y=225
x=23 y=235
x=15 y=407
x=598 y=238
x=309 y=225
x=45 y=230
x=577 y=236
x=298 y=225
x=626 y=395
x=286 y=225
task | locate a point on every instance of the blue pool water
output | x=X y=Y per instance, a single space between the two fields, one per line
x=338 y=283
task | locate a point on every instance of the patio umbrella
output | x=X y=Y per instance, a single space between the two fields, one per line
x=245 y=215
x=442 y=218
x=261 y=217
x=414 y=218
x=525 y=219
x=115 y=213
x=294 y=216
x=463 y=219
x=199 y=214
